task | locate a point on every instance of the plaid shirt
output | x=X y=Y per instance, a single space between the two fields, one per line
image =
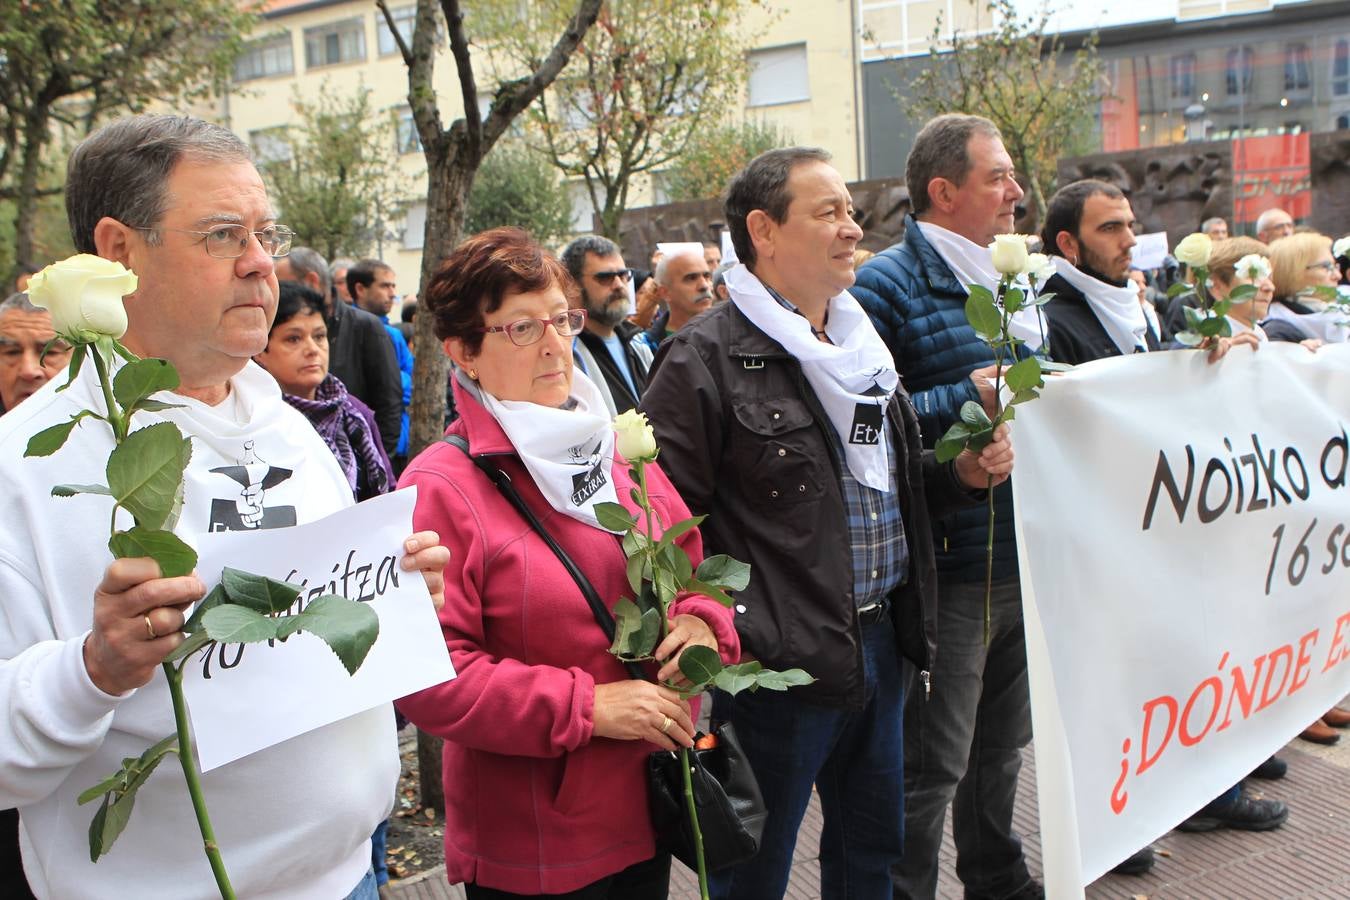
x=876 y=531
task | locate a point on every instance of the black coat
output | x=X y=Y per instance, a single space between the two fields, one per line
x=361 y=355
x=624 y=399
x=744 y=439
x=1074 y=332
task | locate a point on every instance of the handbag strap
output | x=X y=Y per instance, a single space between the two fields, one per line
x=603 y=618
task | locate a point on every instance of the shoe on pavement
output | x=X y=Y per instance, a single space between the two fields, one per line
x=1137 y=863
x=1243 y=814
x=1337 y=717
x=1272 y=769
x=1320 y=732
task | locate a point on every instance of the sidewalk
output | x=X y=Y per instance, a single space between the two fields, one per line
x=1308 y=858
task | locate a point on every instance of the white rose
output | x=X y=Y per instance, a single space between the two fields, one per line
x=1341 y=249
x=84 y=294
x=1040 y=268
x=1194 y=250
x=1010 y=253
x=634 y=438
x=1254 y=267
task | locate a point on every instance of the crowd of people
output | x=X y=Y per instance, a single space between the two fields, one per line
x=794 y=392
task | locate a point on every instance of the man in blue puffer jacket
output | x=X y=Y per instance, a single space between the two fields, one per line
x=964 y=742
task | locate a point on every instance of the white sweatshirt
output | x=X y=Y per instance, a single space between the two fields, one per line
x=293 y=821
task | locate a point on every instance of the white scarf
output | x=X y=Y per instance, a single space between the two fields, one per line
x=1238 y=326
x=1328 y=326
x=840 y=373
x=973 y=264
x=568 y=452
x=1116 y=308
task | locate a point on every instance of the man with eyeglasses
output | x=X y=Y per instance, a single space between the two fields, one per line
x=609 y=350
x=1273 y=224
x=178 y=201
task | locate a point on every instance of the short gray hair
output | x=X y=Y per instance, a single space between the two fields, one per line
x=19 y=302
x=1211 y=222
x=1263 y=221
x=940 y=152
x=574 y=254
x=663 y=264
x=122 y=170
x=341 y=264
x=762 y=185
x=307 y=261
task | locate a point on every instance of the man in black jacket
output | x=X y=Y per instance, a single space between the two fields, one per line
x=609 y=351
x=360 y=353
x=780 y=416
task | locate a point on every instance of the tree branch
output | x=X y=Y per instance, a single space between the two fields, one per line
x=403 y=49
x=468 y=87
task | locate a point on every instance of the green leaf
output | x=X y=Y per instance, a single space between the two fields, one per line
x=694 y=586
x=49 y=440
x=636 y=631
x=123 y=351
x=983 y=315
x=980 y=439
x=739 y=677
x=1178 y=289
x=674 y=560
x=190 y=646
x=1042 y=299
x=257 y=592
x=230 y=624
x=700 y=664
x=1049 y=365
x=215 y=597
x=725 y=572
x=974 y=416
x=666 y=588
x=145 y=471
x=70 y=490
x=637 y=571
x=1324 y=292
x=175 y=558
x=677 y=530
x=613 y=517
x=137 y=380
x=1013 y=301
x=156 y=405
x=1193 y=317
x=634 y=541
x=1025 y=374
x=1022 y=397
x=77 y=354
x=1242 y=293
x=1216 y=327
x=119 y=796
x=1189 y=338
x=950 y=445
x=781 y=681
x=348 y=627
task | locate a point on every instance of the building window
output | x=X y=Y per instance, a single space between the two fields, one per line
x=1181 y=70
x=1340 y=68
x=268 y=56
x=405 y=18
x=1343 y=122
x=1297 y=68
x=270 y=146
x=409 y=141
x=336 y=42
x=778 y=75
x=415 y=226
x=1240 y=64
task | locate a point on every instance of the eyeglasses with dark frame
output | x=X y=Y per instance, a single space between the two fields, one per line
x=1323 y=265
x=607 y=277
x=524 y=332
x=230 y=241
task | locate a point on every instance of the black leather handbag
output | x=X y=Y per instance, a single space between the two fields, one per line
x=730 y=807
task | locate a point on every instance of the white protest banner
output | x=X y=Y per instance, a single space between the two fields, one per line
x=1184 y=540
x=1149 y=250
x=246 y=697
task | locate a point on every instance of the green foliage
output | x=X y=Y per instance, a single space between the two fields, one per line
x=643 y=81
x=1042 y=97
x=716 y=152
x=49 y=440
x=119 y=796
x=519 y=186
x=136 y=381
x=341 y=188
x=175 y=558
x=145 y=472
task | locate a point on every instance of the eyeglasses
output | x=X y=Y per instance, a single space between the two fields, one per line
x=230 y=241
x=524 y=332
x=606 y=277
x=1323 y=265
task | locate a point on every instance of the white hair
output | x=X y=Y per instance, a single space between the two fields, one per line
x=663 y=265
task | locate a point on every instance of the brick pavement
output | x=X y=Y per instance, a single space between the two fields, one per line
x=1308 y=858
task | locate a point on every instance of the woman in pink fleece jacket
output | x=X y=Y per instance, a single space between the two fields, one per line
x=546 y=735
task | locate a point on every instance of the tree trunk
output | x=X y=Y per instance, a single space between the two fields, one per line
x=35 y=136
x=429 y=770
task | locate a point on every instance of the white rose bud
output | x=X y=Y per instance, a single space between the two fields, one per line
x=1010 y=254
x=1040 y=268
x=1254 y=267
x=1194 y=250
x=634 y=438
x=84 y=294
x=1341 y=249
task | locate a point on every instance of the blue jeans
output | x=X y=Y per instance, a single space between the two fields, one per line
x=853 y=758
x=367 y=889
x=963 y=746
x=378 y=844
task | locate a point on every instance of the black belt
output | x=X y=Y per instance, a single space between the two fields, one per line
x=873 y=612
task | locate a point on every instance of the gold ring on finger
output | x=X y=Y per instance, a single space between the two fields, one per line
x=150 y=627
x=666 y=722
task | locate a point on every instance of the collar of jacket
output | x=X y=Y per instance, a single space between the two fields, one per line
x=746 y=341
x=935 y=268
x=340 y=312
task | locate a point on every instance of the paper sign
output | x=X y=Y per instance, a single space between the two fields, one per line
x=247 y=697
x=1185 y=566
x=1149 y=251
